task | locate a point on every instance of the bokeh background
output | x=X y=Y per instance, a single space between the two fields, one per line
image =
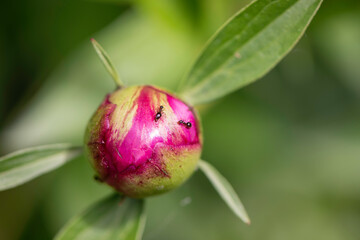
x=289 y=143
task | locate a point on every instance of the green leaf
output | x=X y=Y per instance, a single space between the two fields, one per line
x=104 y=57
x=248 y=46
x=225 y=190
x=24 y=165
x=115 y=217
x=113 y=1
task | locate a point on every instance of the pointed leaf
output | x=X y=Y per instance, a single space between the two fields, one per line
x=104 y=57
x=115 y=217
x=247 y=47
x=225 y=190
x=24 y=165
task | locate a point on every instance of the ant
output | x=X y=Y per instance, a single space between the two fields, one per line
x=187 y=124
x=158 y=114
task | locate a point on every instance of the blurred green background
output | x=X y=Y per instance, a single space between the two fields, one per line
x=289 y=144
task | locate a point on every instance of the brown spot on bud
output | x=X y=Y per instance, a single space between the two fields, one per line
x=97 y=178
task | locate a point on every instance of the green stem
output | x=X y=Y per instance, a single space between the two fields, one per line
x=105 y=59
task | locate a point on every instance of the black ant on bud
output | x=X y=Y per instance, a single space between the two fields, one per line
x=187 y=124
x=158 y=114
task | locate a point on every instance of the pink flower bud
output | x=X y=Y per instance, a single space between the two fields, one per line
x=143 y=141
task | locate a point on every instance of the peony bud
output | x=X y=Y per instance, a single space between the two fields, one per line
x=143 y=141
